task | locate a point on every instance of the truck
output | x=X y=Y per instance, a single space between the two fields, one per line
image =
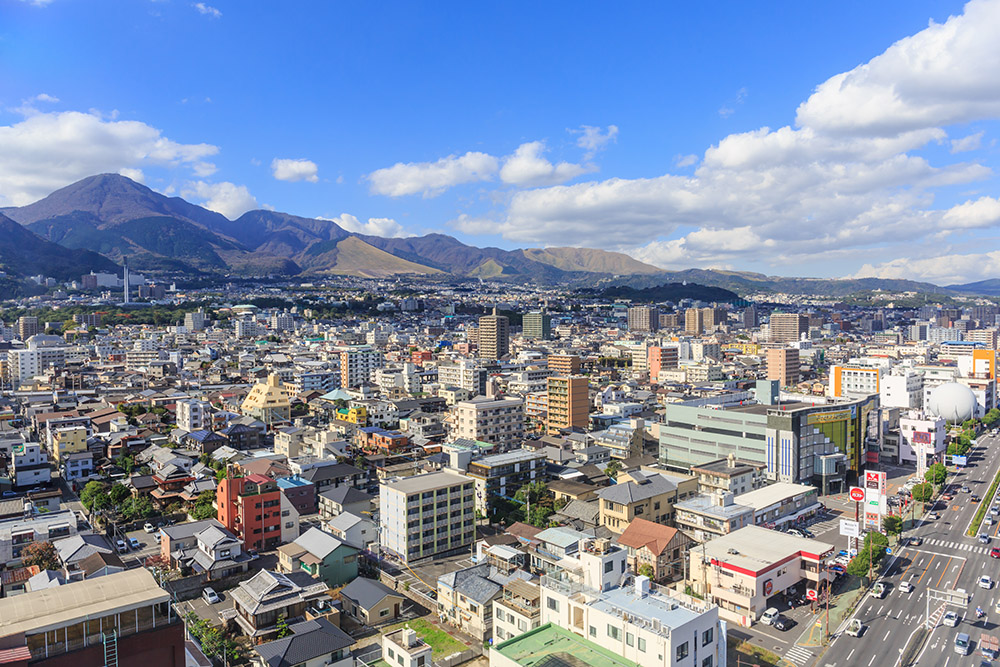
x=989 y=646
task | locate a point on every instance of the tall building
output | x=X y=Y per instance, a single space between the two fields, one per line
x=537 y=325
x=750 y=317
x=564 y=364
x=27 y=326
x=494 y=336
x=358 y=365
x=643 y=318
x=787 y=327
x=662 y=359
x=194 y=415
x=465 y=374
x=499 y=421
x=783 y=365
x=126 y=285
x=427 y=515
x=282 y=322
x=503 y=474
x=694 y=321
x=669 y=321
x=246 y=328
x=250 y=507
x=568 y=402
x=854 y=380
x=195 y=321
x=714 y=317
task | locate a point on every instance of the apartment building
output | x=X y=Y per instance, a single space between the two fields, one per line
x=18 y=532
x=563 y=364
x=659 y=359
x=854 y=380
x=465 y=374
x=29 y=465
x=536 y=325
x=784 y=366
x=502 y=475
x=427 y=515
x=194 y=415
x=358 y=364
x=517 y=610
x=568 y=402
x=250 y=507
x=639 y=493
x=496 y=420
x=269 y=402
x=643 y=319
x=494 y=336
x=624 y=439
x=68 y=440
x=125 y=615
x=25 y=364
x=729 y=475
x=787 y=327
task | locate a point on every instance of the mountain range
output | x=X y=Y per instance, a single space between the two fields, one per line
x=95 y=223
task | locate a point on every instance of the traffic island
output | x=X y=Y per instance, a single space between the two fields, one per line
x=915 y=645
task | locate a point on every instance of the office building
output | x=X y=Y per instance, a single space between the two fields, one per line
x=499 y=421
x=536 y=325
x=787 y=327
x=494 y=336
x=427 y=515
x=568 y=402
x=643 y=318
x=783 y=365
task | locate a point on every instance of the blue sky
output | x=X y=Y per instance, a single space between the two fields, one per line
x=638 y=128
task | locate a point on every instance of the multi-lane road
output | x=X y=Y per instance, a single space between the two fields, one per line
x=947 y=559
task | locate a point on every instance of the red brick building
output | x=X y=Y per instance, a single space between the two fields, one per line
x=250 y=507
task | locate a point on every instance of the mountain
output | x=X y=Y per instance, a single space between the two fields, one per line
x=591 y=261
x=989 y=287
x=670 y=292
x=23 y=253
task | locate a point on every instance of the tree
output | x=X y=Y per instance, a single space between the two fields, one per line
x=203 y=508
x=90 y=491
x=646 y=570
x=858 y=567
x=119 y=493
x=922 y=492
x=283 y=629
x=892 y=524
x=612 y=469
x=991 y=417
x=42 y=554
x=126 y=462
x=136 y=508
x=936 y=474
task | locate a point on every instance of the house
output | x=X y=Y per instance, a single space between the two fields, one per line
x=639 y=493
x=334 y=476
x=355 y=530
x=176 y=538
x=344 y=499
x=101 y=564
x=301 y=493
x=204 y=441
x=242 y=437
x=322 y=555
x=655 y=550
x=403 y=648
x=75 y=549
x=78 y=465
x=267 y=596
x=315 y=643
x=465 y=600
x=216 y=553
x=371 y=602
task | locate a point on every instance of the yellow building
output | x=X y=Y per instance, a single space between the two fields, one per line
x=269 y=402
x=742 y=347
x=69 y=440
x=357 y=416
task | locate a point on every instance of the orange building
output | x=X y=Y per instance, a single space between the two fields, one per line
x=564 y=364
x=568 y=402
x=250 y=507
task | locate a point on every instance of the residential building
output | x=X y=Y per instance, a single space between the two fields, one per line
x=29 y=465
x=517 y=610
x=623 y=439
x=465 y=374
x=496 y=420
x=922 y=440
x=79 y=623
x=427 y=515
x=313 y=643
x=563 y=364
x=494 y=336
x=536 y=325
x=502 y=475
x=638 y=493
x=353 y=529
x=729 y=475
x=568 y=403
x=358 y=364
x=213 y=552
x=787 y=327
x=465 y=600
x=195 y=321
x=250 y=507
x=69 y=440
x=269 y=402
x=694 y=321
x=194 y=415
x=344 y=499
x=655 y=550
x=902 y=389
x=28 y=326
x=266 y=597
x=711 y=515
x=77 y=466
x=662 y=359
x=322 y=555
x=301 y=493
x=643 y=319
x=17 y=532
x=783 y=365
x=370 y=602
x=403 y=648
x=854 y=380
x=745 y=571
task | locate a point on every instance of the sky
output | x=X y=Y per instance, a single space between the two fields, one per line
x=826 y=139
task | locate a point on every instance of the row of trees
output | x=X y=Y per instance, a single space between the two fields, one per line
x=116 y=499
x=962 y=443
x=215 y=644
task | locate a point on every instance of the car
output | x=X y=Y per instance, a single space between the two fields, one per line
x=905 y=587
x=951 y=619
x=134 y=544
x=210 y=596
x=995 y=510
x=148 y=527
x=796 y=532
x=9 y=494
x=783 y=623
x=769 y=616
x=916 y=541
x=947 y=496
x=158 y=536
x=984 y=538
x=966 y=489
x=807 y=533
x=962 y=644
x=988 y=520
x=855 y=628
x=996 y=607
x=121 y=546
x=933 y=516
x=985 y=582
x=974 y=498
x=879 y=590
x=994 y=553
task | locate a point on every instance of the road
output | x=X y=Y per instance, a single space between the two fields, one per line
x=947 y=559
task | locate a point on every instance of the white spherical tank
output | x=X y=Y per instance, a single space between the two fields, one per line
x=953 y=401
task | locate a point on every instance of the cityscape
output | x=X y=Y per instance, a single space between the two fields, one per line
x=532 y=403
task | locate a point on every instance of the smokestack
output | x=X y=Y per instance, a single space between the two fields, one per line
x=125 y=281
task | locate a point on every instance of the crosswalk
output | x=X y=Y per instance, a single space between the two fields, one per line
x=961 y=547
x=799 y=656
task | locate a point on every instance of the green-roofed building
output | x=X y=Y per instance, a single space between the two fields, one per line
x=553 y=646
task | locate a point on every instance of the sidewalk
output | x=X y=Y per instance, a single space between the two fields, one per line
x=841 y=605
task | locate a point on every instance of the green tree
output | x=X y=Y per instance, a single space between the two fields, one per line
x=922 y=492
x=892 y=524
x=42 y=554
x=135 y=509
x=283 y=629
x=203 y=508
x=936 y=474
x=126 y=462
x=858 y=567
x=90 y=492
x=119 y=493
x=646 y=570
x=992 y=417
x=612 y=469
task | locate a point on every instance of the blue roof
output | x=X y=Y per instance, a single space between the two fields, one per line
x=292 y=482
x=199 y=435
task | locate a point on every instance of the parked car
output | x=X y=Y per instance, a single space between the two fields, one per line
x=783 y=623
x=148 y=527
x=769 y=616
x=121 y=546
x=855 y=628
x=210 y=596
x=134 y=544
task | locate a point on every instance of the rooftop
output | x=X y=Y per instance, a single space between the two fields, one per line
x=535 y=647
x=703 y=504
x=426 y=482
x=772 y=493
x=756 y=549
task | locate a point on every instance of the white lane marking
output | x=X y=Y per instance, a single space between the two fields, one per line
x=872 y=660
x=886 y=635
x=851 y=653
x=880 y=610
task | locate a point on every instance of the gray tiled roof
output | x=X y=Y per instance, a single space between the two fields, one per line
x=631 y=492
x=310 y=640
x=367 y=592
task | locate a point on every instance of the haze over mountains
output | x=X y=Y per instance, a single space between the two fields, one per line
x=96 y=222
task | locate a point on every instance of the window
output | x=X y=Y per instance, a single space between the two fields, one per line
x=384 y=612
x=682 y=651
x=614 y=632
x=642 y=644
x=593 y=631
x=706 y=637
x=707 y=662
x=609 y=566
x=552 y=604
x=630 y=639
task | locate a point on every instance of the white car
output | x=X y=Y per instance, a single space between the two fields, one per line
x=767 y=618
x=951 y=619
x=905 y=587
x=148 y=527
x=985 y=582
x=121 y=546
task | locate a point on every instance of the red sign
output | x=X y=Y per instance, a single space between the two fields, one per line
x=922 y=437
x=857 y=494
x=811 y=594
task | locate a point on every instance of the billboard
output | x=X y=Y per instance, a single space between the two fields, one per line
x=922 y=438
x=960 y=461
x=828 y=417
x=875 y=498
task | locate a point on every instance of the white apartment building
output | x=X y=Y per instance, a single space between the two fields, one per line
x=23 y=365
x=246 y=329
x=903 y=390
x=427 y=515
x=499 y=421
x=282 y=322
x=358 y=365
x=194 y=415
x=16 y=533
x=921 y=440
x=29 y=465
x=465 y=374
x=854 y=381
x=405 y=377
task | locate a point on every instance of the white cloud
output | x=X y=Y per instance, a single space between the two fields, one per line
x=527 y=168
x=941 y=269
x=207 y=10
x=592 y=139
x=47 y=151
x=295 y=170
x=475 y=226
x=969 y=143
x=942 y=75
x=384 y=227
x=135 y=174
x=38 y=3
x=227 y=198
x=682 y=161
x=45 y=97
x=729 y=108
x=432 y=178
